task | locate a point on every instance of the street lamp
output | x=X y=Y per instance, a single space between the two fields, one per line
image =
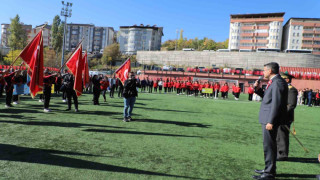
x=66 y=11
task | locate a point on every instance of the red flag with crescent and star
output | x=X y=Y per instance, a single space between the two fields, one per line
x=124 y=70
x=32 y=56
x=75 y=65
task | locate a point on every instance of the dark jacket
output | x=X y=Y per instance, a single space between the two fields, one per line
x=130 y=88
x=68 y=81
x=292 y=102
x=273 y=107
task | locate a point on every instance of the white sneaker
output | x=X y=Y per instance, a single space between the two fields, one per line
x=64 y=100
x=15 y=102
x=6 y=106
x=46 y=110
x=40 y=100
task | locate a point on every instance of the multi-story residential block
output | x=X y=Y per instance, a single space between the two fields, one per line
x=254 y=31
x=5 y=33
x=94 y=38
x=302 y=34
x=46 y=34
x=139 y=38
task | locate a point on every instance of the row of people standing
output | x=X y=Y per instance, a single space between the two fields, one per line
x=309 y=97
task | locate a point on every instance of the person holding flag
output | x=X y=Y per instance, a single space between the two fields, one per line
x=48 y=80
x=129 y=89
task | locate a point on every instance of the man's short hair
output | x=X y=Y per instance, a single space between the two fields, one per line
x=274 y=67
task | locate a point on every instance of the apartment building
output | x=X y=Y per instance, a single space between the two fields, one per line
x=5 y=33
x=302 y=34
x=254 y=31
x=139 y=38
x=46 y=32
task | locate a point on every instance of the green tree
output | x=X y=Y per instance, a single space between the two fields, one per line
x=57 y=35
x=18 y=36
x=180 y=41
x=11 y=57
x=111 y=53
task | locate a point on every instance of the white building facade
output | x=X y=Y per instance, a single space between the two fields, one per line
x=139 y=38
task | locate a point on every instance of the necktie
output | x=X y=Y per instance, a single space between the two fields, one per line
x=269 y=83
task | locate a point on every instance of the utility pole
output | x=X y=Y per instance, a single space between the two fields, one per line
x=66 y=11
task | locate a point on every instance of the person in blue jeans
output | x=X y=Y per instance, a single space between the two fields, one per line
x=129 y=95
x=310 y=96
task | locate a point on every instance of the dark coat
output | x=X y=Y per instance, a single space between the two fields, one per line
x=292 y=102
x=273 y=107
x=130 y=88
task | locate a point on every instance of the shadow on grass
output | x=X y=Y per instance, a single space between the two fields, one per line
x=50 y=157
x=95 y=112
x=136 y=133
x=300 y=176
x=14 y=110
x=178 y=123
x=58 y=124
x=303 y=160
x=156 y=109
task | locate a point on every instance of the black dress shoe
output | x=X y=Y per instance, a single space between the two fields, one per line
x=259 y=171
x=68 y=109
x=282 y=159
x=264 y=177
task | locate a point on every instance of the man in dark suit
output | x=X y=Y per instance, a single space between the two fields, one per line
x=273 y=112
x=283 y=132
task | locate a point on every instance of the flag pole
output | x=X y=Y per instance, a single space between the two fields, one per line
x=71 y=54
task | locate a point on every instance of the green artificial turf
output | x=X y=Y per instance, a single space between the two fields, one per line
x=173 y=137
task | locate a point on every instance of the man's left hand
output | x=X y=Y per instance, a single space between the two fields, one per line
x=269 y=127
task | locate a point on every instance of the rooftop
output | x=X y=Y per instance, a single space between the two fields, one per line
x=260 y=15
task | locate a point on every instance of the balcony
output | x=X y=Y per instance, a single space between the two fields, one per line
x=246 y=34
x=246 y=47
x=247 y=27
x=316 y=46
x=262 y=41
x=307 y=31
x=246 y=41
x=263 y=27
x=307 y=38
x=316 y=38
x=262 y=34
x=307 y=45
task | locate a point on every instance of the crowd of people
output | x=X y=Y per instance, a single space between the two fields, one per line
x=100 y=85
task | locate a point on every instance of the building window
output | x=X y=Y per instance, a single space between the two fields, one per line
x=294 y=34
x=298 y=34
x=277 y=37
x=294 y=27
x=297 y=41
x=292 y=47
x=296 y=47
x=292 y=41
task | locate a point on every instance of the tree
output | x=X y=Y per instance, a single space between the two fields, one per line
x=11 y=57
x=18 y=36
x=111 y=53
x=180 y=41
x=57 y=35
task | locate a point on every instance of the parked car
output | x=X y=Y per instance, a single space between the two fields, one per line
x=167 y=68
x=180 y=69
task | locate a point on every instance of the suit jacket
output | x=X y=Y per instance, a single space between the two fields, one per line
x=273 y=107
x=292 y=102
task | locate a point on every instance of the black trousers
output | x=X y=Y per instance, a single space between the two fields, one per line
x=150 y=89
x=9 y=93
x=270 y=148
x=120 y=92
x=72 y=94
x=47 y=96
x=165 y=89
x=1 y=90
x=250 y=97
x=15 y=98
x=104 y=94
x=237 y=95
x=283 y=141
x=96 y=95
x=112 y=90
x=155 y=89
x=223 y=94
x=196 y=92
x=64 y=95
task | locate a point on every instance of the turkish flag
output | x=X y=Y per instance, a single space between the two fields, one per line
x=75 y=65
x=123 y=71
x=85 y=72
x=32 y=55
